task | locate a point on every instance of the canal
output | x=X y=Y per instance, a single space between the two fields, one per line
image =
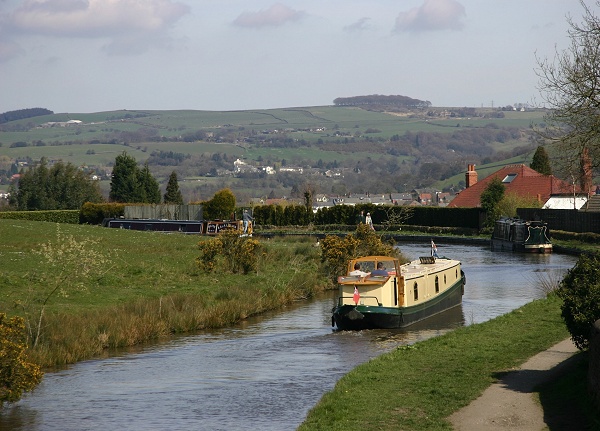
x=266 y=373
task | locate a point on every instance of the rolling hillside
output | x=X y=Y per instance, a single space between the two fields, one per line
x=340 y=149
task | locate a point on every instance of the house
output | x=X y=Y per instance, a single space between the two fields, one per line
x=565 y=202
x=517 y=179
x=401 y=198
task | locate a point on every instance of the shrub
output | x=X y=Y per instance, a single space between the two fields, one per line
x=16 y=374
x=229 y=252
x=92 y=213
x=337 y=251
x=580 y=293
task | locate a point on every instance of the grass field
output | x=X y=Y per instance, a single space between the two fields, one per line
x=105 y=288
x=307 y=124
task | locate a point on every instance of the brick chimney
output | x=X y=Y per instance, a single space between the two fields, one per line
x=586 y=171
x=471 y=176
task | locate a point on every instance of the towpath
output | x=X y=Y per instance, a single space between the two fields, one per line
x=510 y=404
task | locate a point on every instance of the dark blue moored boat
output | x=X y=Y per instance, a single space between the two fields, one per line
x=514 y=234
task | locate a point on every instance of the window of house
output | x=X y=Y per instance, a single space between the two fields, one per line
x=508 y=179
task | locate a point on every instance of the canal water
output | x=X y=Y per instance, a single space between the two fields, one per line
x=266 y=373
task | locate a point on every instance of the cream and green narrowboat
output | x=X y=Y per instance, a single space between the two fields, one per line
x=408 y=293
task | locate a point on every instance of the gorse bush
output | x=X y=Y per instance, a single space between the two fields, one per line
x=580 y=293
x=337 y=251
x=16 y=373
x=229 y=252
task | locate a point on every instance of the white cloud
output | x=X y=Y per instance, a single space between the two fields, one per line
x=274 y=16
x=433 y=15
x=130 y=23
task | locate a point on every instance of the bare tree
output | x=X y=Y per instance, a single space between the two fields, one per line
x=570 y=87
x=396 y=216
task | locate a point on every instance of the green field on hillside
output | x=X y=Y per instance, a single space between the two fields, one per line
x=305 y=136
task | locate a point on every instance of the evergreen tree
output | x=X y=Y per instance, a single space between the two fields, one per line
x=124 y=185
x=149 y=185
x=173 y=194
x=490 y=198
x=541 y=162
x=59 y=187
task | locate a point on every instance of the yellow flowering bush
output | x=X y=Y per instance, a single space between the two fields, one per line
x=229 y=252
x=16 y=374
x=337 y=251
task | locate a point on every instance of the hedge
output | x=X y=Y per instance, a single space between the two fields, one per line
x=54 y=216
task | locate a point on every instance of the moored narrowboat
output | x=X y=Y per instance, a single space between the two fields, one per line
x=515 y=234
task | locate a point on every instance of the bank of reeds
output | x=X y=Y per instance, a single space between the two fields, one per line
x=150 y=289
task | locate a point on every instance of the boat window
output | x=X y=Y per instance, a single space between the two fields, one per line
x=416 y=291
x=445 y=282
x=437 y=284
x=456 y=273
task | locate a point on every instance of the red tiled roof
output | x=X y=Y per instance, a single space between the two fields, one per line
x=527 y=183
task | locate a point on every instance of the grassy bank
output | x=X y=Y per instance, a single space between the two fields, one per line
x=146 y=287
x=417 y=387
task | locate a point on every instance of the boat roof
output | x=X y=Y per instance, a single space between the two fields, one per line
x=418 y=268
x=375 y=259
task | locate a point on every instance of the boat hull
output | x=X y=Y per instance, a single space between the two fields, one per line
x=358 y=317
x=503 y=245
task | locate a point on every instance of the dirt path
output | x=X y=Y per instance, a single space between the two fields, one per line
x=510 y=403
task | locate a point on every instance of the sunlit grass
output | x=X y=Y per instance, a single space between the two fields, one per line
x=417 y=387
x=149 y=288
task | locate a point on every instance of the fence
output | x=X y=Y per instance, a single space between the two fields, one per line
x=164 y=212
x=567 y=220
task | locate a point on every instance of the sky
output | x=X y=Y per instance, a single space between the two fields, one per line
x=102 y=55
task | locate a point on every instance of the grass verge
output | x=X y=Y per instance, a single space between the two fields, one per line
x=148 y=287
x=417 y=387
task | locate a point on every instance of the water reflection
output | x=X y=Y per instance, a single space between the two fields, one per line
x=267 y=372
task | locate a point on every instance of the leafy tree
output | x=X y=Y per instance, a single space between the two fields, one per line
x=570 y=87
x=490 y=198
x=67 y=263
x=59 y=187
x=149 y=185
x=510 y=202
x=580 y=292
x=16 y=373
x=541 y=162
x=220 y=207
x=173 y=194
x=124 y=185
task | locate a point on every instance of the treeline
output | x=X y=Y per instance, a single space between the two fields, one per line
x=298 y=215
x=377 y=99
x=59 y=187
x=21 y=114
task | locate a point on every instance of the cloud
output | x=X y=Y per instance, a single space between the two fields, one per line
x=433 y=15
x=275 y=16
x=361 y=24
x=117 y=20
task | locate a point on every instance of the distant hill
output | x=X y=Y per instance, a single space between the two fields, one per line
x=335 y=149
x=377 y=99
x=20 y=114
